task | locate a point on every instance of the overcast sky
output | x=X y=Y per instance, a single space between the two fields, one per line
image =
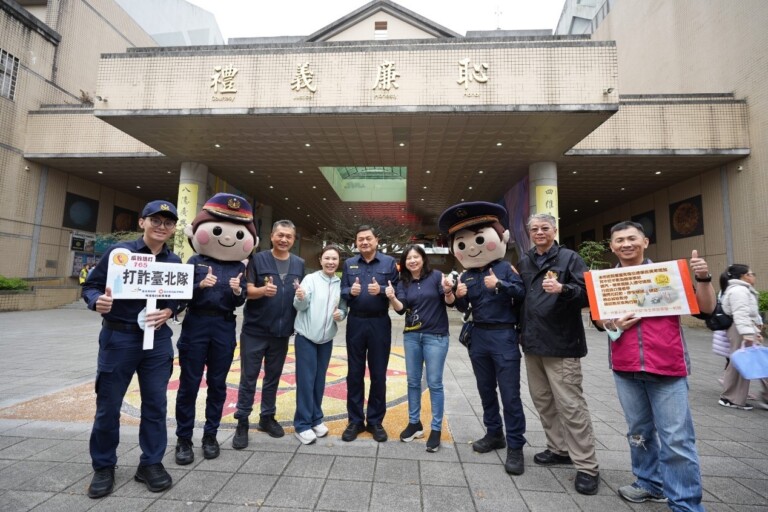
x=251 y=18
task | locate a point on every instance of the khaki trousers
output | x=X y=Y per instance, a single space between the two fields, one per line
x=555 y=386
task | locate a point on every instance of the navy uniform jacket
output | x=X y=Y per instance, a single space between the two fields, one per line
x=125 y=310
x=220 y=296
x=383 y=268
x=492 y=306
x=272 y=316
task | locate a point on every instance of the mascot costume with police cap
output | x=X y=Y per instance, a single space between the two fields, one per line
x=222 y=235
x=491 y=288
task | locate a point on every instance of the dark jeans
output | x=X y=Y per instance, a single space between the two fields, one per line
x=120 y=356
x=254 y=349
x=368 y=339
x=495 y=358
x=204 y=342
x=311 y=366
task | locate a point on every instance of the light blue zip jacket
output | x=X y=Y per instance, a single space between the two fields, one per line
x=314 y=320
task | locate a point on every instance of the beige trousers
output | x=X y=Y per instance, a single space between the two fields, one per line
x=555 y=386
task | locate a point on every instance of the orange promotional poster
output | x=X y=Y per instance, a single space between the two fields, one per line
x=656 y=289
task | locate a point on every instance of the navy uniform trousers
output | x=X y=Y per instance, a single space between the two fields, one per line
x=371 y=337
x=205 y=341
x=495 y=357
x=120 y=356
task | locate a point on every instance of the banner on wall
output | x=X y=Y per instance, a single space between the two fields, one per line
x=187 y=209
x=546 y=200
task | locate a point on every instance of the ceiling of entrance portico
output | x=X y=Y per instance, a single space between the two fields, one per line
x=449 y=157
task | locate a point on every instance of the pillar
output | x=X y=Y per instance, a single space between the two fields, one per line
x=542 y=179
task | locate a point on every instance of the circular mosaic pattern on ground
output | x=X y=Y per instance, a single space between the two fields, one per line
x=334 y=401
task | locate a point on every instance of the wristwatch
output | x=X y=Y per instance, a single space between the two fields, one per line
x=707 y=279
x=499 y=286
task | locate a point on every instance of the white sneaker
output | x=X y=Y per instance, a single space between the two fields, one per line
x=320 y=430
x=762 y=405
x=306 y=437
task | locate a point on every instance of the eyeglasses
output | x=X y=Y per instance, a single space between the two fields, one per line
x=157 y=222
x=751 y=274
x=545 y=229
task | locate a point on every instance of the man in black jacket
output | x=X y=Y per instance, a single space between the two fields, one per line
x=554 y=343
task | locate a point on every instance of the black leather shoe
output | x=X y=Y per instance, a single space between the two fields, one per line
x=240 y=439
x=184 y=453
x=210 y=446
x=102 y=483
x=270 y=426
x=548 y=458
x=515 y=464
x=351 y=432
x=586 y=484
x=379 y=434
x=154 y=476
x=490 y=442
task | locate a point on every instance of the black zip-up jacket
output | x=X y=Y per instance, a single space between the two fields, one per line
x=552 y=324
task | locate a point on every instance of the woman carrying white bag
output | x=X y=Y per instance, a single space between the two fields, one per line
x=740 y=302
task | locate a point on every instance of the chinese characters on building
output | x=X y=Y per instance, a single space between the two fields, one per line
x=386 y=80
x=223 y=82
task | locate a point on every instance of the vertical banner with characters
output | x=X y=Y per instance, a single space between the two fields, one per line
x=546 y=201
x=187 y=210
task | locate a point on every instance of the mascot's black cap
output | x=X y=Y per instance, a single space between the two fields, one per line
x=464 y=215
x=228 y=207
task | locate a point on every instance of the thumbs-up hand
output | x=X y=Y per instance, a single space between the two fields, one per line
x=300 y=293
x=209 y=280
x=234 y=283
x=356 y=288
x=461 y=289
x=698 y=265
x=374 y=287
x=447 y=285
x=490 y=280
x=390 y=290
x=104 y=302
x=270 y=289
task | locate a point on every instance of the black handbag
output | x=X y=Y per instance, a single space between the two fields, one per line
x=465 y=336
x=718 y=320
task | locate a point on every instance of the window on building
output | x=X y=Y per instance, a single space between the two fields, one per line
x=9 y=68
x=379 y=30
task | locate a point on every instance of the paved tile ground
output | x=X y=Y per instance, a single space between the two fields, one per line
x=45 y=465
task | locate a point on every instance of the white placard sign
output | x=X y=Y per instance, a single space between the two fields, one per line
x=138 y=276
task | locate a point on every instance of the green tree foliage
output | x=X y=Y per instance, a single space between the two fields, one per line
x=593 y=254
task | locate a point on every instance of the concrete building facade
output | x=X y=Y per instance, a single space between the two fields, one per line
x=386 y=115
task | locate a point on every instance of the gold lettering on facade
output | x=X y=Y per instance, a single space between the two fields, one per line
x=304 y=78
x=386 y=78
x=469 y=72
x=223 y=79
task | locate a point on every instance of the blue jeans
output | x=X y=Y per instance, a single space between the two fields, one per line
x=662 y=442
x=428 y=350
x=312 y=361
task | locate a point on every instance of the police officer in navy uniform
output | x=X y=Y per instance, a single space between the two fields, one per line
x=121 y=354
x=273 y=277
x=369 y=333
x=222 y=235
x=492 y=288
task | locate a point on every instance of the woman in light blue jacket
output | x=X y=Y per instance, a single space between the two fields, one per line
x=319 y=305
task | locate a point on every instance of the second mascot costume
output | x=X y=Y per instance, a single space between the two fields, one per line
x=491 y=288
x=222 y=235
